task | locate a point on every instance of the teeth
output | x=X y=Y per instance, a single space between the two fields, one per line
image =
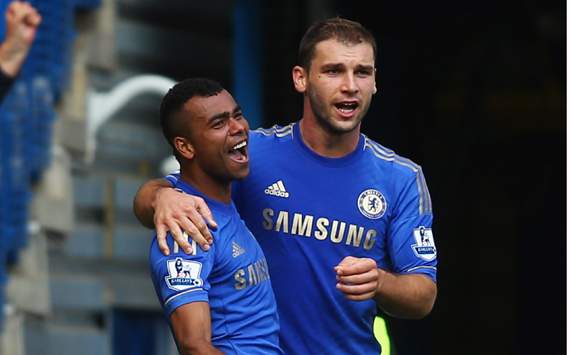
x=347 y=106
x=240 y=145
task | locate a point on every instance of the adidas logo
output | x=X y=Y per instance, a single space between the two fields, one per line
x=237 y=250
x=277 y=189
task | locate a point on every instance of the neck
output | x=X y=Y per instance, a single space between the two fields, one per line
x=213 y=188
x=326 y=143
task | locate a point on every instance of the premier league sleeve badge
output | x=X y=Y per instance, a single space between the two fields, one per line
x=183 y=274
x=425 y=245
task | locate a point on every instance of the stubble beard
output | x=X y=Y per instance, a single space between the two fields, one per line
x=326 y=122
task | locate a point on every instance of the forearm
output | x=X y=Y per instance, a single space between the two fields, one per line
x=203 y=348
x=11 y=58
x=405 y=296
x=191 y=326
x=143 y=204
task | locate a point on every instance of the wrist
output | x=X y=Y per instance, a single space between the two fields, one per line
x=381 y=277
x=155 y=197
x=160 y=191
x=12 y=57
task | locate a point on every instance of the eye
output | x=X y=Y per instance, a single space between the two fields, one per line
x=364 y=73
x=219 y=123
x=238 y=115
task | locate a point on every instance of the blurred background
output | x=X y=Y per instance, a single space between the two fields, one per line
x=472 y=91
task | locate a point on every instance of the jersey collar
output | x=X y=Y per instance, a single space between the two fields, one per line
x=341 y=161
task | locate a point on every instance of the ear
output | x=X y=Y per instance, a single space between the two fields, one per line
x=375 y=90
x=299 y=78
x=184 y=147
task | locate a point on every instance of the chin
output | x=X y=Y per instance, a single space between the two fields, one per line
x=348 y=126
x=343 y=127
x=336 y=125
x=241 y=174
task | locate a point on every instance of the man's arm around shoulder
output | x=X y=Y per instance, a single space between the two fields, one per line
x=143 y=204
x=192 y=330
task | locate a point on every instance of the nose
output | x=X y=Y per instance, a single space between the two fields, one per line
x=349 y=83
x=238 y=126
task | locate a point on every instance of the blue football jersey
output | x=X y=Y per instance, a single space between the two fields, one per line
x=308 y=212
x=232 y=277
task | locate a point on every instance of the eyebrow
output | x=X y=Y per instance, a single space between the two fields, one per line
x=365 y=67
x=225 y=114
x=332 y=66
x=342 y=66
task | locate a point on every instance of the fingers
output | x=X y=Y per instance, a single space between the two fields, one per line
x=360 y=287
x=205 y=212
x=179 y=237
x=33 y=19
x=349 y=260
x=161 y=238
x=357 y=278
x=23 y=11
x=353 y=266
x=197 y=236
x=198 y=230
x=22 y=21
x=357 y=292
x=183 y=212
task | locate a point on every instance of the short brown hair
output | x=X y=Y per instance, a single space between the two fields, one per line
x=343 y=30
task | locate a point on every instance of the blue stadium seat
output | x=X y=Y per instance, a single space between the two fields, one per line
x=27 y=115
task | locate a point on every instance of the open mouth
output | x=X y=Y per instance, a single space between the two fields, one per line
x=239 y=152
x=347 y=107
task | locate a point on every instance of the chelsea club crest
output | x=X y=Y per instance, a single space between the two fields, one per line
x=372 y=204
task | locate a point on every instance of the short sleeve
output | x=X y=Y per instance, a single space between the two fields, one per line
x=173 y=177
x=180 y=278
x=410 y=241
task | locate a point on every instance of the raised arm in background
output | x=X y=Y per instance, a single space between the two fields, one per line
x=22 y=21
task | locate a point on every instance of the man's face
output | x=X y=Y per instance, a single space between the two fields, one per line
x=219 y=134
x=340 y=84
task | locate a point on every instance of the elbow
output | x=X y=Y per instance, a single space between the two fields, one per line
x=418 y=306
x=139 y=212
x=192 y=347
x=422 y=311
x=185 y=347
x=427 y=301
